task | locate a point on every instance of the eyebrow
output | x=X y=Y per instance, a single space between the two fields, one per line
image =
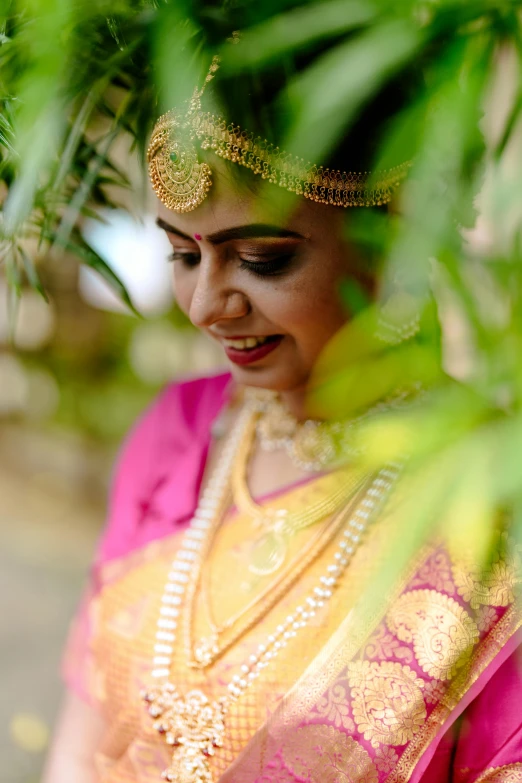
x=251 y=231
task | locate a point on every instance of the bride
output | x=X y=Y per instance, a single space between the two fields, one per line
x=224 y=635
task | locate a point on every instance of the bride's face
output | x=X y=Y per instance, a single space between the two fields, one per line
x=265 y=287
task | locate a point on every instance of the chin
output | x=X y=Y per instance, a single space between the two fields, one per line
x=275 y=378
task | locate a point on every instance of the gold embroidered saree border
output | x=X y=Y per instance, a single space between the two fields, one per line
x=480 y=660
x=344 y=645
x=350 y=638
x=508 y=773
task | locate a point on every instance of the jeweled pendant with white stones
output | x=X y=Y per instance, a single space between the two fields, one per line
x=205 y=652
x=192 y=725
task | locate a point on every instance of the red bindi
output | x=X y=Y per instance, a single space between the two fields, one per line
x=197 y=236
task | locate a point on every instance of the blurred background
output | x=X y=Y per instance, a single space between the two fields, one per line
x=74 y=374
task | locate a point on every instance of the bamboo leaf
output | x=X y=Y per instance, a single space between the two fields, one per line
x=298 y=29
x=325 y=99
x=77 y=246
x=32 y=274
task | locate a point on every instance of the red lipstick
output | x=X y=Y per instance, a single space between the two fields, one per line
x=250 y=355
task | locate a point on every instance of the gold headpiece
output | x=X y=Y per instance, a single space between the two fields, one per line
x=182 y=181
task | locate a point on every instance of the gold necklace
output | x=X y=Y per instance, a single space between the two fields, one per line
x=191 y=724
x=208 y=649
x=270 y=550
x=316 y=445
x=222 y=637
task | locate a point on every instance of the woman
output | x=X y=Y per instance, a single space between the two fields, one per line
x=225 y=633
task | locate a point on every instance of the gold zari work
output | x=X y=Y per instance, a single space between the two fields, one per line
x=509 y=773
x=388 y=705
x=322 y=754
x=442 y=632
x=338 y=717
x=495 y=587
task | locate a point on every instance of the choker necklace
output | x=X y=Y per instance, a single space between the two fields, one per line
x=193 y=725
x=315 y=445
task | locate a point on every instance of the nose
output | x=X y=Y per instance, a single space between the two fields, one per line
x=214 y=297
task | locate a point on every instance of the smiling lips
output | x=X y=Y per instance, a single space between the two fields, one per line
x=245 y=350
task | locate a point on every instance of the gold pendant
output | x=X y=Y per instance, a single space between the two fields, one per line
x=268 y=553
x=192 y=725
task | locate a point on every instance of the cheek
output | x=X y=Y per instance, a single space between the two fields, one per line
x=309 y=307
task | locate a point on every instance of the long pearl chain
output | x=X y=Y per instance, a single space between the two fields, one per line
x=185 y=566
x=187 y=563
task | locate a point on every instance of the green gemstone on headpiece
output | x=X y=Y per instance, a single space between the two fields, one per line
x=174 y=157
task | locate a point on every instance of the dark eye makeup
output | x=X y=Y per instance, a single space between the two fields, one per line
x=270 y=267
x=187 y=258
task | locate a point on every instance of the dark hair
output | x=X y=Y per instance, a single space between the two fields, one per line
x=261 y=103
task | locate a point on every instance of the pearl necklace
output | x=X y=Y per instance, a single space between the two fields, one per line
x=192 y=725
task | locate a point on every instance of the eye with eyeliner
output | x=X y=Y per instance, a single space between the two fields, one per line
x=271 y=266
x=188 y=258
x=268 y=265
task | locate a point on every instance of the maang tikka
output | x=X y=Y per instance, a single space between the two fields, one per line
x=178 y=177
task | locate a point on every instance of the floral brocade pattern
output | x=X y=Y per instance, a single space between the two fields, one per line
x=436 y=573
x=371 y=721
x=334 y=707
x=494 y=586
x=442 y=632
x=387 y=701
x=383 y=703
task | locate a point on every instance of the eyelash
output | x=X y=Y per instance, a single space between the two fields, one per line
x=271 y=268
x=184 y=258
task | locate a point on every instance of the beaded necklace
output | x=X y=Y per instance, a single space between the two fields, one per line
x=191 y=724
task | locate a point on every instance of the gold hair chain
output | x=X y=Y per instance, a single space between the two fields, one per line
x=182 y=181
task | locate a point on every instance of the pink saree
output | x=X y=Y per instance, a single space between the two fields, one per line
x=427 y=688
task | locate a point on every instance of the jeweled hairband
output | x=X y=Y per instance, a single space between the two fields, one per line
x=182 y=181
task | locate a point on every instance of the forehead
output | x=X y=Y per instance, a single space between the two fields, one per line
x=227 y=204
x=237 y=201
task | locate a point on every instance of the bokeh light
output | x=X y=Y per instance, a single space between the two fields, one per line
x=14 y=385
x=29 y=732
x=158 y=352
x=32 y=324
x=136 y=250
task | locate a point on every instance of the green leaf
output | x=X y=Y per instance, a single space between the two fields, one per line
x=298 y=29
x=12 y=271
x=32 y=274
x=87 y=255
x=325 y=98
